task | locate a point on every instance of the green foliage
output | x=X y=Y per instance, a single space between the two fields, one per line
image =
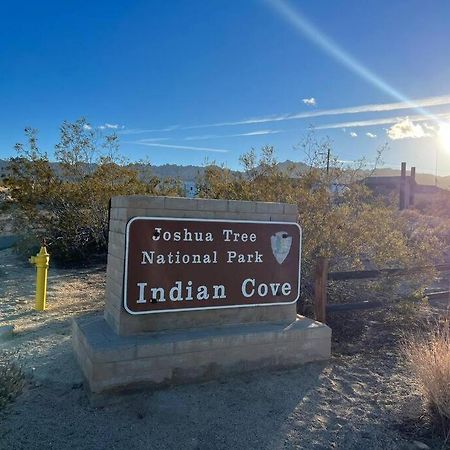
x=67 y=203
x=348 y=226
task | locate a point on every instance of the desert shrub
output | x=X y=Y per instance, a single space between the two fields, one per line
x=66 y=201
x=428 y=356
x=346 y=227
x=11 y=379
x=434 y=205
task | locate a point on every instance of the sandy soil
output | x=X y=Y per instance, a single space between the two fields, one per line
x=361 y=399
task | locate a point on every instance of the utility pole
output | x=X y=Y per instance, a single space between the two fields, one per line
x=412 y=186
x=328 y=160
x=402 y=199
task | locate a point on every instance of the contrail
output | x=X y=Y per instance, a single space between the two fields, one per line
x=250 y=133
x=180 y=147
x=373 y=122
x=375 y=107
x=360 y=109
x=140 y=130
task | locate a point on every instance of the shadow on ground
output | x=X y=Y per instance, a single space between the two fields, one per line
x=318 y=406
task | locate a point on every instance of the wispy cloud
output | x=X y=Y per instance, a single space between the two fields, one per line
x=220 y=136
x=137 y=131
x=110 y=126
x=260 y=132
x=368 y=108
x=360 y=109
x=359 y=123
x=309 y=101
x=353 y=134
x=375 y=122
x=407 y=129
x=153 y=130
x=371 y=135
x=180 y=147
x=157 y=139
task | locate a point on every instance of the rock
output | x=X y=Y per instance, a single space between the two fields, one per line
x=421 y=445
x=6 y=331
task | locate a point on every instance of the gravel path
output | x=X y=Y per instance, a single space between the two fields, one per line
x=358 y=400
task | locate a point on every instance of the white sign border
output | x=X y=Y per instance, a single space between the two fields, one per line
x=188 y=219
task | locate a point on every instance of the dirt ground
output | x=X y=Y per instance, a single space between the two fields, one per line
x=361 y=399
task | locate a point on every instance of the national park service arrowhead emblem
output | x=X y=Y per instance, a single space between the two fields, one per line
x=281 y=245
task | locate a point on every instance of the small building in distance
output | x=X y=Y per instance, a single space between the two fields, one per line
x=387 y=185
x=190 y=189
x=405 y=186
x=338 y=189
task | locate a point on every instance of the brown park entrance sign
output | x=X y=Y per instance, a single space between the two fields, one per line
x=188 y=264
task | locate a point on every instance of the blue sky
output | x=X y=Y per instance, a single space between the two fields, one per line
x=182 y=81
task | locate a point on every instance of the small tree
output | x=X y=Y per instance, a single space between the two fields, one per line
x=67 y=202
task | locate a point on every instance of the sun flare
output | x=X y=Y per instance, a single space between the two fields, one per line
x=444 y=135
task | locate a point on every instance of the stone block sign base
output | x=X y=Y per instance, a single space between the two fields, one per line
x=110 y=362
x=119 y=351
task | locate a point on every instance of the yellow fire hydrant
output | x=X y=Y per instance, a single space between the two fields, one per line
x=41 y=261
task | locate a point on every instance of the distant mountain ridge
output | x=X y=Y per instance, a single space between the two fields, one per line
x=184 y=173
x=191 y=173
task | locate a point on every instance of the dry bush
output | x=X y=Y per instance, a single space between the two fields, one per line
x=437 y=205
x=428 y=357
x=11 y=379
x=346 y=227
x=67 y=201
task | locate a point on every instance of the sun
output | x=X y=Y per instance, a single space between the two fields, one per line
x=444 y=135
